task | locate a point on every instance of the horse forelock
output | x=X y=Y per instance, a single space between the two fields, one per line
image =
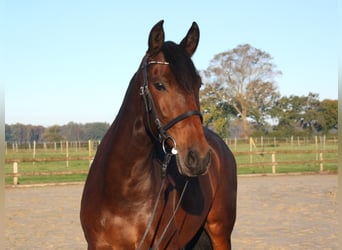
x=181 y=65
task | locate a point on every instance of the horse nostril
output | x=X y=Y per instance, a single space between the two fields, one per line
x=194 y=160
x=196 y=164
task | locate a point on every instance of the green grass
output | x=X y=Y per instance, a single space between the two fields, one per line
x=51 y=179
x=261 y=162
x=46 y=166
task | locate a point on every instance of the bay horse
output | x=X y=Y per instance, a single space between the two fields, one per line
x=159 y=179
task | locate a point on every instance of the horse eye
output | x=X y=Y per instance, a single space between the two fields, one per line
x=160 y=86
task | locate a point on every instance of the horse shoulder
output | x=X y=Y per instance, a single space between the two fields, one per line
x=222 y=172
x=223 y=161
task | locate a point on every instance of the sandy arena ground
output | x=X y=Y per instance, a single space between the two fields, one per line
x=279 y=212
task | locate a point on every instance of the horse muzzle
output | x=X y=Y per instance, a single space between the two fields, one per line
x=193 y=164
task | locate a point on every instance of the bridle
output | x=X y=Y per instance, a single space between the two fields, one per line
x=163 y=137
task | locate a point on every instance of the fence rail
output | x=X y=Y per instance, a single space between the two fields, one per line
x=47 y=173
x=257 y=155
x=54 y=159
x=274 y=162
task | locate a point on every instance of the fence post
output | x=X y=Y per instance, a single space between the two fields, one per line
x=250 y=150
x=316 y=146
x=273 y=163
x=321 y=162
x=67 y=153
x=34 y=150
x=262 y=141
x=89 y=151
x=15 y=173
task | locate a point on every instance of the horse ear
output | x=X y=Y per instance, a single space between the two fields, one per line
x=156 y=38
x=190 y=41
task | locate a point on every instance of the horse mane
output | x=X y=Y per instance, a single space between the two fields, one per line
x=181 y=65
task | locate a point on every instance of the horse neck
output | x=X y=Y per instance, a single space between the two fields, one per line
x=127 y=147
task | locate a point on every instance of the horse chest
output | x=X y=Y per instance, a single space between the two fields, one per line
x=120 y=230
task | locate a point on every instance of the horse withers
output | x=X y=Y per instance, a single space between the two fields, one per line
x=159 y=179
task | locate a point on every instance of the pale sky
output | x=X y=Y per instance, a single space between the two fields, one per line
x=72 y=60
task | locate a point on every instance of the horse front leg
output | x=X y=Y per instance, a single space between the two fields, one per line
x=221 y=219
x=219 y=237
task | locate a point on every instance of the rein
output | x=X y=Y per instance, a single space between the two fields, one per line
x=154 y=213
x=163 y=137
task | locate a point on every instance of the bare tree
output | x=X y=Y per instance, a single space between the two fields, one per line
x=245 y=77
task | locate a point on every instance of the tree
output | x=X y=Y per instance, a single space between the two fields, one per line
x=216 y=112
x=53 y=134
x=246 y=78
x=35 y=132
x=18 y=132
x=306 y=115
x=22 y=133
x=95 y=130
x=9 y=134
x=329 y=111
x=73 y=131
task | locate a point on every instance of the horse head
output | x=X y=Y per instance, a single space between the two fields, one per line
x=170 y=92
